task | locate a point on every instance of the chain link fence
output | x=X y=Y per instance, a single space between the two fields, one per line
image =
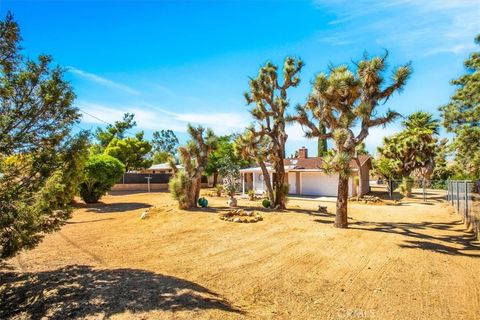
x=419 y=190
x=464 y=197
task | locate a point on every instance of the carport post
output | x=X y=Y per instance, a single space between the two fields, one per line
x=148 y=182
x=243 y=183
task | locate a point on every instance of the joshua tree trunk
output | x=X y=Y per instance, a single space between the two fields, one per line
x=215 y=179
x=268 y=182
x=342 y=198
x=279 y=184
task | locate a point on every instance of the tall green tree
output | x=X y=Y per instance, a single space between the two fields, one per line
x=339 y=100
x=116 y=130
x=40 y=159
x=462 y=117
x=414 y=148
x=270 y=101
x=185 y=183
x=165 y=141
x=225 y=152
x=132 y=152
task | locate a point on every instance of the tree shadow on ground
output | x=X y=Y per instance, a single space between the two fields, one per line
x=464 y=241
x=113 y=207
x=80 y=291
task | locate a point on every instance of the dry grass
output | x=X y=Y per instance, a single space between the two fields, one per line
x=413 y=261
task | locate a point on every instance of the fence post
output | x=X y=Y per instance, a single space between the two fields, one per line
x=458 y=197
x=465 y=207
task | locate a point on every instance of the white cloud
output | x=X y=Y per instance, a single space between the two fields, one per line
x=418 y=27
x=155 y=118
x=103 y=81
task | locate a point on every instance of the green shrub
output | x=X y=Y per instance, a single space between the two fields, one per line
x=406 y=187
x=178 y=186
x=219 y=189
x=266 y=203
x=101 y=172
x=251 y=195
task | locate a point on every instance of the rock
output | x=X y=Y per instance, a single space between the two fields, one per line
x=236 y=220
x=322 y=209
x=144 y=215
x=249 y=213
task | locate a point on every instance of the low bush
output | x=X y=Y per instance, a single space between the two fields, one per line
x=101 y=172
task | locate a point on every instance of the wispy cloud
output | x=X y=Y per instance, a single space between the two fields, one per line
x=150 y=117
x=418 y=27
x=103 y=81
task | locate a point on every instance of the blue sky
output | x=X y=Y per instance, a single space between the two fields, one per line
x=175 y=62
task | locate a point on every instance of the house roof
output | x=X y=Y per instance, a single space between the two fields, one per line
x=317 y=162
x=163 y=166
x=311 y=164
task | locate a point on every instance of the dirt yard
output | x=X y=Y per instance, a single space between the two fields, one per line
x=409 y=261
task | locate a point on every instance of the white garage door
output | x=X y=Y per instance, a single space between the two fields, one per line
x=318 y=184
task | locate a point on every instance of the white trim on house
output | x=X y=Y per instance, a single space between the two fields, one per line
x=307 y=181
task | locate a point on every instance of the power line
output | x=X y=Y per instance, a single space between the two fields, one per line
x=103 y=121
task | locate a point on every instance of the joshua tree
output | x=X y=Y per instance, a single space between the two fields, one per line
x=341 y=99
x=270 y=103
x=185 y=183
x=413 y=149
x=251 y=146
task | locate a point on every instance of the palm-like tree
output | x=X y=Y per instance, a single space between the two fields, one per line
x=341 y=99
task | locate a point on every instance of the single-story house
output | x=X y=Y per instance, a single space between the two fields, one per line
x=305 y=176
x=160 y=168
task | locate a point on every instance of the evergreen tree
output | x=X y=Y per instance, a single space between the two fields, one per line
x=462 y=117
x=117 y=130
x=40 y=160
x=132 y=152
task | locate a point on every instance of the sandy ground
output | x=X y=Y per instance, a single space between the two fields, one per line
x=412 y=261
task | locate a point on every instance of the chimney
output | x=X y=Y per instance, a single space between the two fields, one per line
x=303 y=153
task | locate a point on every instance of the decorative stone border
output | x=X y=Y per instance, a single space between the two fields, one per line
x=241 y=216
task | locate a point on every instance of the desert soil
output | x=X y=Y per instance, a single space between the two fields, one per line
x=409 y=261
